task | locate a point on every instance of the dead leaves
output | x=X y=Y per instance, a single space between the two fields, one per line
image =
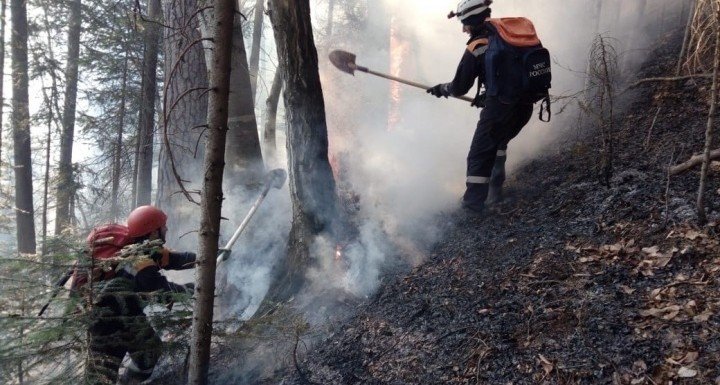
x=666 y=313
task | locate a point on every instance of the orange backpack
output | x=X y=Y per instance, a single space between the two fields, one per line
x=103 y=243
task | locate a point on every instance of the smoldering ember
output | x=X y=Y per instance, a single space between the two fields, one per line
x=333 y=192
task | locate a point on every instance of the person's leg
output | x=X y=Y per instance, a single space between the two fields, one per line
x=481 y=158
x=144 y=352
x=510 y=126
x=106 y=350
x=497 y=178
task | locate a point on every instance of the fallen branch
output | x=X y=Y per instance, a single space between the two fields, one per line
x=693 y=162
x=669 y=79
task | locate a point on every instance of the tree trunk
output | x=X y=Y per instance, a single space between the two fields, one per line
x=24 y=209
x=185 y=124
x=255 y=48
x=117 y=156
x=312 y=186
x=271 y=114
x=147 y=112
x=66 y=185
x=46 y=181
x=702 y=217
x=3 y=5
x=244 y=156
x=212 y=195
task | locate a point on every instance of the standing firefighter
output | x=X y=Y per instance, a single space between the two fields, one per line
x=506 y=56
x=127 y=261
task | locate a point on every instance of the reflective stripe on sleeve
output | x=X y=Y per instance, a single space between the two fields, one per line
x=480 y=50
x=501 y=153
x=478 y=179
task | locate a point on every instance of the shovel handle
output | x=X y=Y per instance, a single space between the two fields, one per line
x=403 y=81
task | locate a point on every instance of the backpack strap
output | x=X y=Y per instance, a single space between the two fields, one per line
x=478 y=47
x=545 y=107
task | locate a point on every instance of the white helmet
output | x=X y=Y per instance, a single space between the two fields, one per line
x=467 y=8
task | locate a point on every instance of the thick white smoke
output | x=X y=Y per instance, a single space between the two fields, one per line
x=407 y=172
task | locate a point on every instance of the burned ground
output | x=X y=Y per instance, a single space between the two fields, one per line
x=572 y=282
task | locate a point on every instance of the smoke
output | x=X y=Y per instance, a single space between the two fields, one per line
x=408 y=168
x=400 y=154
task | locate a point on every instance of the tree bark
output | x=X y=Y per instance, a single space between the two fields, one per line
x=312 y=185
x=66 y=185
x=3 y=5
x=244 y=156
x=693 y=162
x=117 y=156
x=46 y=180
x=212 y=195
x=702 y=216
x=185 y=124
x=271 y=105
x=147 y=112
x=255 y=48
x=24 y=209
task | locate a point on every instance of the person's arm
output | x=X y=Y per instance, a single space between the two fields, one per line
x=149 y=279
x=174 y=260
x=470 y=68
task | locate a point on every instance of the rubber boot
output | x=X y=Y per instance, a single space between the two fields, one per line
x=474 y=199
x=497 y=179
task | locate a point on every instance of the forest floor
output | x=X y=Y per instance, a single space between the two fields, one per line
x=572 y=282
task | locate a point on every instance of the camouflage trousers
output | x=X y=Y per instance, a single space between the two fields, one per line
x=118 y=327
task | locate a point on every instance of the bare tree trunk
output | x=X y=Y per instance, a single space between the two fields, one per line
x=312 y=185
x=117 y=157
x=3 y=5
x=147 y=111
x=702 y=217
x=255 y=48
x=66 y=185
x=212 y=195
x=186 y=89
x=244 y=156
x=271 y=106
x=24 y=209
x=46 y=181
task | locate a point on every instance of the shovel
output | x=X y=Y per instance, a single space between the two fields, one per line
x=345 y=62
x=275 y=178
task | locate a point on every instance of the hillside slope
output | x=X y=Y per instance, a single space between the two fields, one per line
x=571 y=283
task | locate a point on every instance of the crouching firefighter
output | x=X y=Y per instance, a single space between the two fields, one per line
x=126 y=264
x=506 y=56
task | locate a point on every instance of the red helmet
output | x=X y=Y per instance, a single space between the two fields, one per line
x=144 y=220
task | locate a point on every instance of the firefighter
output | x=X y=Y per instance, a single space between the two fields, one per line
x=118 y=324
x=500 y=121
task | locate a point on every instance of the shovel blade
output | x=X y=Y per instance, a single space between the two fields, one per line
x=344 y=61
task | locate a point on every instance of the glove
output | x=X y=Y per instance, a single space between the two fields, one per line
x=189 y=288
x=479 y=101
x=437 y=91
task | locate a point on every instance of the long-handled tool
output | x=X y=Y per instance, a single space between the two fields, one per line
x=57 y=287
x=276 y=178
x=345 y=62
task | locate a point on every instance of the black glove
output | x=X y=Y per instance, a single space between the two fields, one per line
x=437 y=91
x=189 y=288
x=479 y=101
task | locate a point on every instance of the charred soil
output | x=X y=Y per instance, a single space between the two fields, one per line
x=572 y=282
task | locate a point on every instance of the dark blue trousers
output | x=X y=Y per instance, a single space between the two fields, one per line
x=499 y=123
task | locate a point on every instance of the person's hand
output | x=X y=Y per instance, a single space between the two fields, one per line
x=189 y=288
x=436 y=91
x=479 y=101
